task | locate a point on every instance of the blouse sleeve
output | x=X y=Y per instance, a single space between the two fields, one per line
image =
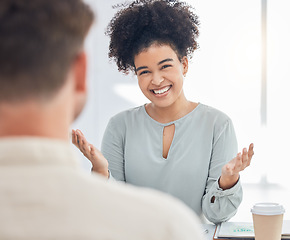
x=220 y=205
x=113 y=150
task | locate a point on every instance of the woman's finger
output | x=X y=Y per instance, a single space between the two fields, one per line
x=232 y=165
x=245 y=156
x=249 y=155
x=251 y=151
x=81 y=138
x=86 y=147
x=77 y=140
x=80 y=133
x=73 y=137
x=80 y=141
x=239 y=162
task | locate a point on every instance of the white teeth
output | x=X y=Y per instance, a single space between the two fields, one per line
x=163 y=90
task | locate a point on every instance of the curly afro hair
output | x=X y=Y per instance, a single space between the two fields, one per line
x=143 y=22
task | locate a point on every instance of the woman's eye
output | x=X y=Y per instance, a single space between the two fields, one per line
x=143 y=72
x=165 y=66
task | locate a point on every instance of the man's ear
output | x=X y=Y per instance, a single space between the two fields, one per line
x=80 y=72
x=184 y=62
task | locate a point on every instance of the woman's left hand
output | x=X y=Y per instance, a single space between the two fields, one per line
x=230 y=171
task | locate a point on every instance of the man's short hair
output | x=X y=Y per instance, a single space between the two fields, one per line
x=39 y=40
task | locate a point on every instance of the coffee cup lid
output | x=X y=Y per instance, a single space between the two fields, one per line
x=267 y=209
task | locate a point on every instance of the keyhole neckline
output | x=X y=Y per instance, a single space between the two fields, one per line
x=172 y=122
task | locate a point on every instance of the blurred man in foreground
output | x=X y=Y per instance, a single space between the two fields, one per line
x=44 y=194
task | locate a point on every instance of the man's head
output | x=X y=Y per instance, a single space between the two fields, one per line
x=39 y=41
x=42 y=66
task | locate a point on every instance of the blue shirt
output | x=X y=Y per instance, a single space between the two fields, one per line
x=204 y=140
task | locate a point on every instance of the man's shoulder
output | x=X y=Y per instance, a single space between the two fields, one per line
x=145 y=210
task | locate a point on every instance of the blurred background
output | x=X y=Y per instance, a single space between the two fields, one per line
x=240 y=68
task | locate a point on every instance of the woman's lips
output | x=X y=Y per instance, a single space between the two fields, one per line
x=161 y=90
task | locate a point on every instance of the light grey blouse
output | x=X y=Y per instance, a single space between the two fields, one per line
x=204 y=140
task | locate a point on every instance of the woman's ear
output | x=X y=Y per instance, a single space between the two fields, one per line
x=184 y=62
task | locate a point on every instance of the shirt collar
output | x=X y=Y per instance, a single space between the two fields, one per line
x=36 y=151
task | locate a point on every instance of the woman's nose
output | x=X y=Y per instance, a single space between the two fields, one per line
x=157 y=79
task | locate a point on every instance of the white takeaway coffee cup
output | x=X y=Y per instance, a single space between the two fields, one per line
x=267 y=220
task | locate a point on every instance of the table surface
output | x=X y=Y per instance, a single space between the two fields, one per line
x=254 y=193
x=210 y=228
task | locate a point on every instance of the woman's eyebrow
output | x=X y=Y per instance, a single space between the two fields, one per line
x=166 y=60
x=139 y=68
x=163 y=61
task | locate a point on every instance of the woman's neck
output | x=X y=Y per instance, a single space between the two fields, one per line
x=170 y=113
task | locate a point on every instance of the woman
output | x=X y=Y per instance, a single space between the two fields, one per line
x=184 y=148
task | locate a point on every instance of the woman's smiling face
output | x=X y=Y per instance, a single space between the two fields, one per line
x=160 y=74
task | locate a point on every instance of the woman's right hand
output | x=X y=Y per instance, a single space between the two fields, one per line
x=99 y=162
